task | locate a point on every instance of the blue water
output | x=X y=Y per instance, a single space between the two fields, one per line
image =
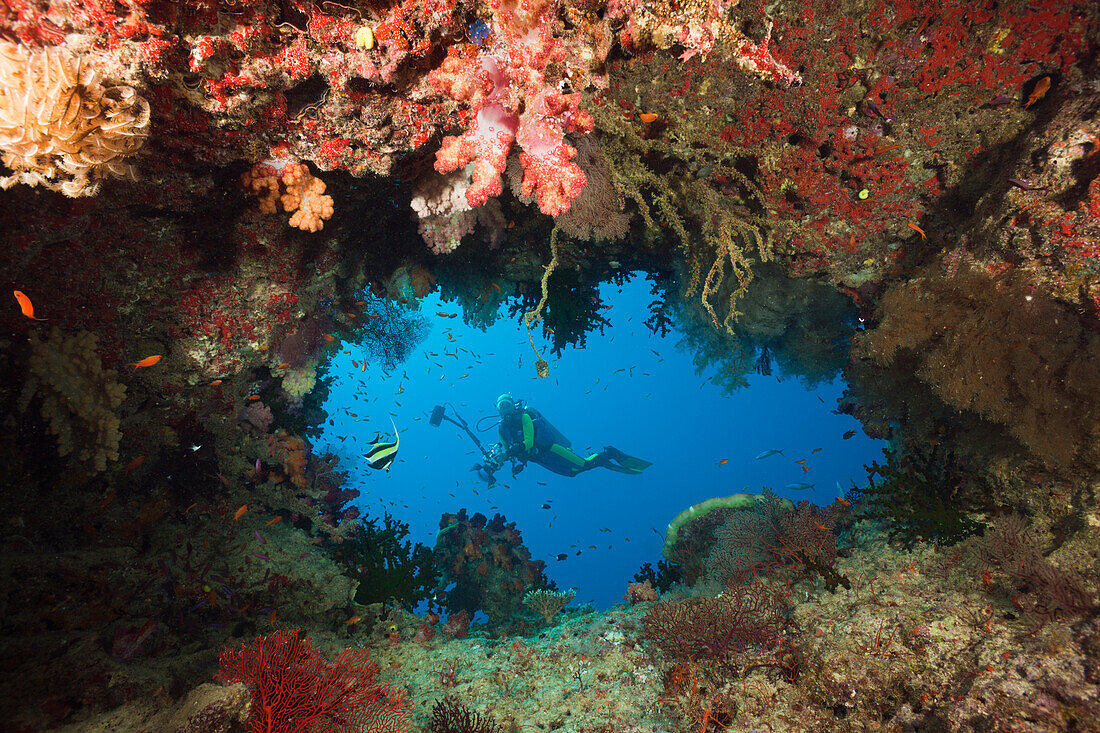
x=616 y=391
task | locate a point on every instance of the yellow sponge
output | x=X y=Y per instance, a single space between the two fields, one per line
x=79 y=397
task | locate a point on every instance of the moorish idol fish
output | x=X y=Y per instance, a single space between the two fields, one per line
x=382 y=454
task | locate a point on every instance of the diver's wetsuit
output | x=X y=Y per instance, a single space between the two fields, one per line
x=526 y=435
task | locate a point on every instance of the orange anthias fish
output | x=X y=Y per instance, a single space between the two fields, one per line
x=723 y=461
x=329 y=337
x=25 y=305
x=916 y=229
x=146 y=362
x=353 y=620
x=1041 y=88
x=240 y=512
x=648 y=117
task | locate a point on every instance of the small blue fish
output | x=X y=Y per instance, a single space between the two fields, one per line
x=767 y=453
x=800 y=486
x=382 y=454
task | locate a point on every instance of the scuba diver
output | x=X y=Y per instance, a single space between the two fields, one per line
x=525 y=435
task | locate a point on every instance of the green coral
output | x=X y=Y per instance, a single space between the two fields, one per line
x=299 y=382
x=386 y=565
x=924 y=493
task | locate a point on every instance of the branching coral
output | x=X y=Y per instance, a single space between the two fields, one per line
x=1044 y=591
x=387 y=566
x=771 y=537
x=923 y=493
x=715 y=238
x=547 y=603
x=292 y=684
x=801 y=326
x=450 y=716
x=60 y=126
x=78 y=396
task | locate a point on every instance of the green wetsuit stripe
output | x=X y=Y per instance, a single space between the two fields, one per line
x=528 y=432
x=560 y=450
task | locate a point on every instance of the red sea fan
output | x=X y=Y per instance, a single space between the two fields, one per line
x=717 y=629
x=295 y=691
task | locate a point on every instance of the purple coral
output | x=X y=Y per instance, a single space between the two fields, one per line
x=255 y=419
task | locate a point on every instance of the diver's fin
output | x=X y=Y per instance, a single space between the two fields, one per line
x=620 y=469
x=630 y=463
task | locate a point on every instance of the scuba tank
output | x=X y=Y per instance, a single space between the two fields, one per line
x=537 y=417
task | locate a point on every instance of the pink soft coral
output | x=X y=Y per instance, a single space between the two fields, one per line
x=506 y=87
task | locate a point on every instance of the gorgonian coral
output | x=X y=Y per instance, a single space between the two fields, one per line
x=60 y=125
x=717 y=629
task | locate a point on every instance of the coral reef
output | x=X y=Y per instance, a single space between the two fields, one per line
x=920 y=212
x=490 y=568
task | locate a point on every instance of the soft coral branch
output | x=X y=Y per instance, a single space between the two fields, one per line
x=506 y=87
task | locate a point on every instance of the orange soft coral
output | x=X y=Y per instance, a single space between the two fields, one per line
x=295 y=188
x=305 y=193
x=293 y=452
